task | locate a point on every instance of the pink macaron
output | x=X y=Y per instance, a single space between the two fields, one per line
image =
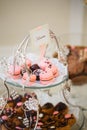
x=46 y=76
x=32 y=77
x=44 y=63
x=14 y=70
x=52 y=68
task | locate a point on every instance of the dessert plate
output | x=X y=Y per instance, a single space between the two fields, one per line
x=62 y=69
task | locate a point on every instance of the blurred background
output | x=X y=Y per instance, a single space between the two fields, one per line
x=18 y=17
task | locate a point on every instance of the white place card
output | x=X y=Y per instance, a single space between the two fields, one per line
x=40 y=35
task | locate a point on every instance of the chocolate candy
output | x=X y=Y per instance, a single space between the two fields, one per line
x=34 y=67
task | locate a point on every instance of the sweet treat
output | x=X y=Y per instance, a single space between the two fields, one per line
x=45 y=72
x=34 y=67
x=55 y=117
x=47 y=108
x=53 y=69
x=61 y=107
x=44 y=63
x=21 y=113
x=46 y=75
x=32 y=77
x=14 y=71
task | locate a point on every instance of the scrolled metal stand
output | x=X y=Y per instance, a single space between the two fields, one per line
x=5 y=100
x=66 y=88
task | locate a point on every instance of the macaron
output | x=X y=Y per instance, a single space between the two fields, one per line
x=32 y=77
x=14 y=70
x=46 y=76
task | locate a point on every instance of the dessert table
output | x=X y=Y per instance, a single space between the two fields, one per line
x=78 y=92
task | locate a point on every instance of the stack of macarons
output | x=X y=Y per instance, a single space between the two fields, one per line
x=44 y=71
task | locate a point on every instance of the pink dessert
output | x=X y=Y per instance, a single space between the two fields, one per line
x=52 y=68
x=14 y=71
x=45 y=72
x=28 y=63
x=68 y=116
x=44 y=63
x=4 y=117
x=32 y=78
x=46 y=76
x=19 y=104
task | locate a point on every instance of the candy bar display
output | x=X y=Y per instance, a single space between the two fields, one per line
x=38 y=87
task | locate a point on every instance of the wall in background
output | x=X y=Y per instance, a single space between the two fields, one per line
x=17 y=17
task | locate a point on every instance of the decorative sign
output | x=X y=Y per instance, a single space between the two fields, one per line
x=31 y=104
x=40 y=35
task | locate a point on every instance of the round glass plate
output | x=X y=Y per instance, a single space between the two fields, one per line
x=62 y=70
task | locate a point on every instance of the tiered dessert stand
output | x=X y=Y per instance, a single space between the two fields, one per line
x=58 y=90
